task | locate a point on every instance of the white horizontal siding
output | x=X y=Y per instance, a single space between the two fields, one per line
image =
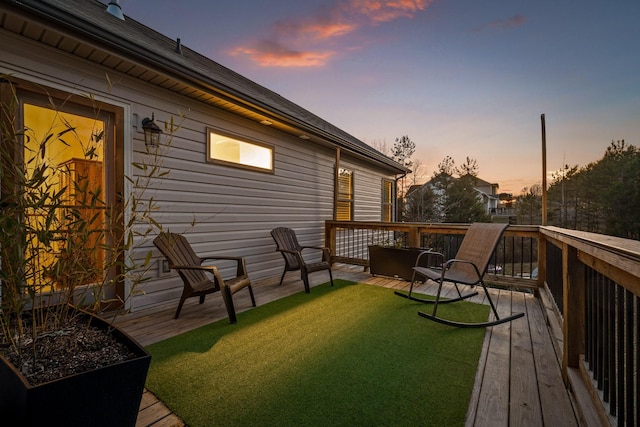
x=221 y=209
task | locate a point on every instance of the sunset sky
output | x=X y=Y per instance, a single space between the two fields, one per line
x=459 y=77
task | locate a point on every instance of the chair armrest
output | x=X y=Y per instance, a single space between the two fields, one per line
x=427 y=252
x=241 y=267
x=297 y=254
x=231 y=258
x=326 y=252
x=449 y=263
x=210 y=268
x=314 y=247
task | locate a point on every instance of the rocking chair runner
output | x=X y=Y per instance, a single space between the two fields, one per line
x=181 y=257
x=468 y=268
x=291 y=250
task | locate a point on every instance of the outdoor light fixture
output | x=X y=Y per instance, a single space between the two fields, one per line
x=152 y=132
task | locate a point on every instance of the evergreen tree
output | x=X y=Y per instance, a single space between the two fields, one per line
x=440 y=183
x=463 y=202
x=529 y=205
x=622 y=195
x=602 y=197
x=401 y=152
x=420 y=205
x=455 y=199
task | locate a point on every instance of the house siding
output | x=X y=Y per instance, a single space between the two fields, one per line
x=220 y=209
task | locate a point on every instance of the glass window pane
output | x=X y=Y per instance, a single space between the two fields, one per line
x=230 y=150
x=344 y=203
x=387 y=200
x=70 y=148
x=343 y=211
x=345 y=184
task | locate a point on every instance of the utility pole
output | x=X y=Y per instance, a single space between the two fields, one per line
x=544 y=171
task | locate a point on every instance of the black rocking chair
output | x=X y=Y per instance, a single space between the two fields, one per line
x=467 y=268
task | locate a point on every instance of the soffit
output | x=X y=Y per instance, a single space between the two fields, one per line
x=231 y=95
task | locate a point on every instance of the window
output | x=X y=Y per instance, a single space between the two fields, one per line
x=387 y=200
x=230 y=151
x=344 y=196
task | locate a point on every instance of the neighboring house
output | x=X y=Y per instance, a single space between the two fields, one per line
x=487 y=193
x=303 y=170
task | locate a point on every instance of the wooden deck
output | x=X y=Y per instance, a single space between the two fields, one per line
x=518 y=381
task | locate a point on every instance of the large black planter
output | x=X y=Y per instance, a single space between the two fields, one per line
x=108 y=396
x=393 y=262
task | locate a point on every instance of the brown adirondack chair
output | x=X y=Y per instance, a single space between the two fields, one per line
x=197 y=283
x=291 y=250
x=468 y=268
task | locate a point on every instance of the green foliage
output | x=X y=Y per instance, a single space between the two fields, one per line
x=452 y=194
x=420 y=205
x=529 y=205
x=402 y=150
x=60 y=257
x=462 y=203
x=602 y=197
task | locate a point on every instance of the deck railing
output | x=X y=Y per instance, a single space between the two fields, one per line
x=597 y=281
x=514 y=262
x=592 y=284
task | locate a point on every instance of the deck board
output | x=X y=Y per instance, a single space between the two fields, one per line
x=525 y=402
x=518 y=381
x=549 y=378
x=493 y=396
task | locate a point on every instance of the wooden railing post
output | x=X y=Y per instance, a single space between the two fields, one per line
x=413 y=237
x=330 y=237
x=542 y=262
x=573 y=309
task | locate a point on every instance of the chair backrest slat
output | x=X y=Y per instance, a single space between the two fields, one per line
x=477 y=246
x=286 y=239
x=177 y=249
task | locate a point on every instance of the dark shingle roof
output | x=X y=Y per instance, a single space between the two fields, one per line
x=135 y=40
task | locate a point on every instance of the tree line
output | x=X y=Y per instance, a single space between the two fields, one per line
x=450 y=195
x=601 y=197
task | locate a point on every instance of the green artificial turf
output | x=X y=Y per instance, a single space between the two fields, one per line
x=351 y=355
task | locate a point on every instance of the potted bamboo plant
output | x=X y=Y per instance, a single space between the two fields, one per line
x=62 y=250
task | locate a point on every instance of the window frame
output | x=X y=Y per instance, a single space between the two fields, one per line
x=387 y=207
x=113 y=179
x=241 y=139
x=339 y=197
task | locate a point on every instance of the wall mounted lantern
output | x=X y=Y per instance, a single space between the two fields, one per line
x=152 y=132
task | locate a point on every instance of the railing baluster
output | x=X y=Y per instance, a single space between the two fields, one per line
x=636 y=339
x=588 y=335
x=613 y=348
x=600 y=332
x=620 y=346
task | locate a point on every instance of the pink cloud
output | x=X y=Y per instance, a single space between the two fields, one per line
x=318 y=29
x=384 y=11
x=311 y=42
x=272 y=54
